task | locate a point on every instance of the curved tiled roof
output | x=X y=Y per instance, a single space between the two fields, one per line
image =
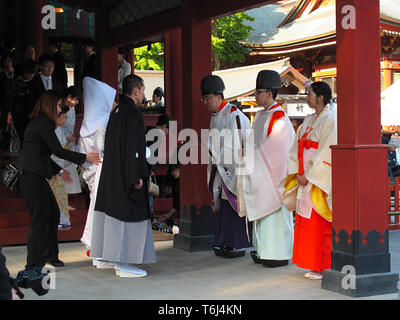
x=317 y=26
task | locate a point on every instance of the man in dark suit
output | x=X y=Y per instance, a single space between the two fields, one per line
x=91 y=63
x=60 y=71
x=44 y=80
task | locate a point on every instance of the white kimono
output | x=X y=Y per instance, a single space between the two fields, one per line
x=315 y=135
x=58 y=185
x=258 y=184
x=91 y=175
x=98 y=101
x=223 y=124
x=74 y=186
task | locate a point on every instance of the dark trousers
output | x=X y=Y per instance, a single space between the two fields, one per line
x=45 y=216
x=230 y=228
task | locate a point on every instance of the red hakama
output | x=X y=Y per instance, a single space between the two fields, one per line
x=312 y=242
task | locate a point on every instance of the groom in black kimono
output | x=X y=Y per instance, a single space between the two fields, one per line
x=122 y=192
x=123 y=187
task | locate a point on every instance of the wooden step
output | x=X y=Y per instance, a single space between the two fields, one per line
x=14 y=219
x=19 y=235
x=16 y=203
x=21 y=218
x=162 y=205
x=12 y=204
x=5 y=192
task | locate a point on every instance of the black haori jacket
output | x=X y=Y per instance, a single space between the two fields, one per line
x=124 y=164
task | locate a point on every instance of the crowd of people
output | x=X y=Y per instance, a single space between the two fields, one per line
x=22 y=83
x=291 y=172
x=23 y=79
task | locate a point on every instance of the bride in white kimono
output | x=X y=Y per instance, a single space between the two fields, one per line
x=98 y=101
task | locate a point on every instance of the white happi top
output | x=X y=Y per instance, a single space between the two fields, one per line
x=318 y=133
x=265 y=164
x=223 y=124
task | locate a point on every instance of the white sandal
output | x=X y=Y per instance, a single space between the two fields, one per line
x=315 y=276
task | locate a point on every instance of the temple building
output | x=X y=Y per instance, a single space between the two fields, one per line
x=307 y=35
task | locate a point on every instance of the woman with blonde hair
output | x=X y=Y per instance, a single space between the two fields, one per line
x=39 y=144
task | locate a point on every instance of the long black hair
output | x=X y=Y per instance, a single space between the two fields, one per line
x=322 y=89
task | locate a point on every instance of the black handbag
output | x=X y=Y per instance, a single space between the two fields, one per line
x=14 y=140
x=396 y=171
x=9 y=140
x=10 y=175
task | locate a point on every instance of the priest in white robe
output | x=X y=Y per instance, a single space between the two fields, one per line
x=231 y=238
x=264 y=169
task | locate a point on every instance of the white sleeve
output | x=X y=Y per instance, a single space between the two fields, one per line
x=61 y=137
x=99 y=141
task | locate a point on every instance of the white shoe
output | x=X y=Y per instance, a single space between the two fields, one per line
x=126 y=270
x=102 y=264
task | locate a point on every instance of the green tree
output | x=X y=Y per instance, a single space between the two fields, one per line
x=226 y=34
x=227 y=52
x=150 y=57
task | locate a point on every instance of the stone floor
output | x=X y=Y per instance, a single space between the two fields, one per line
x=181 y=275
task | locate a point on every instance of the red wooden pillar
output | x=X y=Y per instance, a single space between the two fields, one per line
x=131 y=59
x=107 y=56
x=173 y=75
x=109 y=65
x=28 y=25
x=196 y=227
x=360 y=255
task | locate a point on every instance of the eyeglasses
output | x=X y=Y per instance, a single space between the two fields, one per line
x=207 y=97
x=261 y=91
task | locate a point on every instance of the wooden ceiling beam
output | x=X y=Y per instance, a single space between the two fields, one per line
x=90 y=5
x=144 y=29
x=212 y=9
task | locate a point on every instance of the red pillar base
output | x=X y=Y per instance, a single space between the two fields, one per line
x=196 y=229
x=360 y=235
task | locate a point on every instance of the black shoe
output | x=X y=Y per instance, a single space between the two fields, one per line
x=56 y=263
x=230 y=253
x=218 y=251
x=274 y=263
x=255 y=257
